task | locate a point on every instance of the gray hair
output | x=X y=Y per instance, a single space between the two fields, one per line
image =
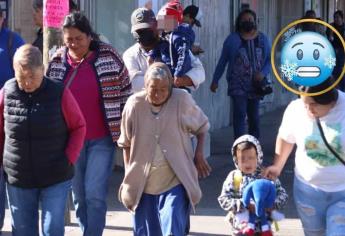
x=158 y=70
x=28 y=57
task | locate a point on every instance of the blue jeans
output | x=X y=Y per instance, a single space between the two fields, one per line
x=321 y=213
x=90 y=184
x=163 y=214
x=2 y=198
x=24 y=206
x=245 y=108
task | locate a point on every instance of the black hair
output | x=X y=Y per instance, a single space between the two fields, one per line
x=340 y=13
x=309 y=14
x=79 y=21
x=37 y=4
x=325 y=98
x=239 y=17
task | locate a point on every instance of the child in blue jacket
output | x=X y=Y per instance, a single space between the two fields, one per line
x=177 y=40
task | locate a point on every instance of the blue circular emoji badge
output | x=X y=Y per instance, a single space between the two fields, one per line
x=307 y=59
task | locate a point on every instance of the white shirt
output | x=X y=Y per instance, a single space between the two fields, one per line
x=314 y=163
x=136 y=63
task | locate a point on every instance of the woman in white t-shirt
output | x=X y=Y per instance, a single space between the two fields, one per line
x=319 y=184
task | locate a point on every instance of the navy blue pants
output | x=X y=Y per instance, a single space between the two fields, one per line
x=243 y=108
x=162 y=215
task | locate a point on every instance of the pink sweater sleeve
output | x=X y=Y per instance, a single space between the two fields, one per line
x=2 y=132
x=76 y=125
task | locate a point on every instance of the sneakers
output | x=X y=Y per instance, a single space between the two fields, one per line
x=267 y=233
x=248 y=232
x=251 y=232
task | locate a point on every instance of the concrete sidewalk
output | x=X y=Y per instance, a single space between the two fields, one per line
x=209 y=217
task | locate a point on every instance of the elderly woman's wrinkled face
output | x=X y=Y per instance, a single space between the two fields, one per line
x=157 y=91
x=314 y=109
x=77 y=42
x=28 y=79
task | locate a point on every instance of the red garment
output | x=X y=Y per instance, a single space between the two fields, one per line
x=74 y=120
x=112 y=77
x=85 y=90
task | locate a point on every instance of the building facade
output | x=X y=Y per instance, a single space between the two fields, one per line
x=111 y=18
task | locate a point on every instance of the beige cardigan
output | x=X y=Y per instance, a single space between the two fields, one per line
x=140 y=130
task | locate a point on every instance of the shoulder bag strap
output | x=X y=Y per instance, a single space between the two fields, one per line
x=327 y=144
x=74 y=73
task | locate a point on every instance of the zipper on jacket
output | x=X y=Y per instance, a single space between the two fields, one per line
x=30 y=156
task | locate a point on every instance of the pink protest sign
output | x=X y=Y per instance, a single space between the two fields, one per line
x=54 y=12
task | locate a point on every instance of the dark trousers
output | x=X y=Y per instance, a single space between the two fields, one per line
x=243 y=108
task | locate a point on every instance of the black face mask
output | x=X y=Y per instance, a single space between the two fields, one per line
x=145 y=37
x=247 y=26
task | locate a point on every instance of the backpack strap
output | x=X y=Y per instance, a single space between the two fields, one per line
x=330 y=148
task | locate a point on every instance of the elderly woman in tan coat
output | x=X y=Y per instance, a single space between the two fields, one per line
x=161 y=169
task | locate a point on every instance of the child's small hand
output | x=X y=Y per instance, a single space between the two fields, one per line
x=183 y=81
x=269 y=210
x=196 y=50
x=178 y=81
x=150 y=60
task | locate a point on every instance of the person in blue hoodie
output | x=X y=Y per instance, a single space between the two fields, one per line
x=246 y=53
x=176 y=43
x=9 y=42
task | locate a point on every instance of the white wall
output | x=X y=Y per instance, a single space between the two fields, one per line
x=113 y=19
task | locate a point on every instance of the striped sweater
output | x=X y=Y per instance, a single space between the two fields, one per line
x=113 y=80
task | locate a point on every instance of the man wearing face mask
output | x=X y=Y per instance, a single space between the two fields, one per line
x=145 y=33
x=247 y=54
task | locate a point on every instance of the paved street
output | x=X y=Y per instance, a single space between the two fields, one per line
x=209 y=217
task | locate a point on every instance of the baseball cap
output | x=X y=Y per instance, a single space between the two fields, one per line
x=194 y=13
x=142 y=18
